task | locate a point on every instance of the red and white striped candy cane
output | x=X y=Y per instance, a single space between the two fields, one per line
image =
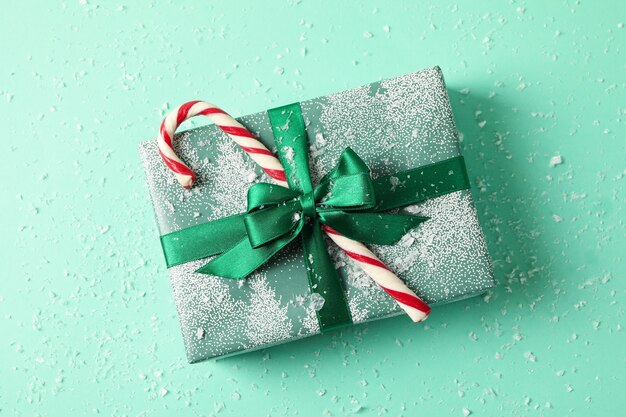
x=381 y=274
x=242 y=136
x=415 y=308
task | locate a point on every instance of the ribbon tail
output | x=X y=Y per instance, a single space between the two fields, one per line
x=375 y=228
x=324 y=279
x=242 y=259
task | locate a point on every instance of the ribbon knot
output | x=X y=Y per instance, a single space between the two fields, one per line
x=307 y=202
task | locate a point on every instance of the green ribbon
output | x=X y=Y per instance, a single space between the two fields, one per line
x=346 y=199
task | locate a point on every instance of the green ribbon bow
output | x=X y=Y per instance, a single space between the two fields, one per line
x=346 y=199
x=277 y=215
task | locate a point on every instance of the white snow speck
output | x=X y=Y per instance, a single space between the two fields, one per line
x=252 y=176
x=556 y=160
x=316 y=301
x=200 y=333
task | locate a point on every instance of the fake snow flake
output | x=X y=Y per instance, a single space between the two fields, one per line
x=407 y=241
x=252 y=177
x=394 y=181
x=556 y=160
x=320 y=140
x=316 y=301
x=200 y=333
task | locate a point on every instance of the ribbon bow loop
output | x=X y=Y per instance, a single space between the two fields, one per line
x=348 y=186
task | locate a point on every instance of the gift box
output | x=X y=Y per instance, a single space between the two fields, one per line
x=403 y=130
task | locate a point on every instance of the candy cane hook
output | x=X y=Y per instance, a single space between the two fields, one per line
x=242 y=136
x=416 y=309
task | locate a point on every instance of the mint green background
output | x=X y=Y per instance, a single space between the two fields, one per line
x=87 y=322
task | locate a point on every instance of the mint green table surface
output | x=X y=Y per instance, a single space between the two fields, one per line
x=87 y=323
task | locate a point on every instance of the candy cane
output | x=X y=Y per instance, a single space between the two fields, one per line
x=416 y=309
x=242 y=136
x=378 y=271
